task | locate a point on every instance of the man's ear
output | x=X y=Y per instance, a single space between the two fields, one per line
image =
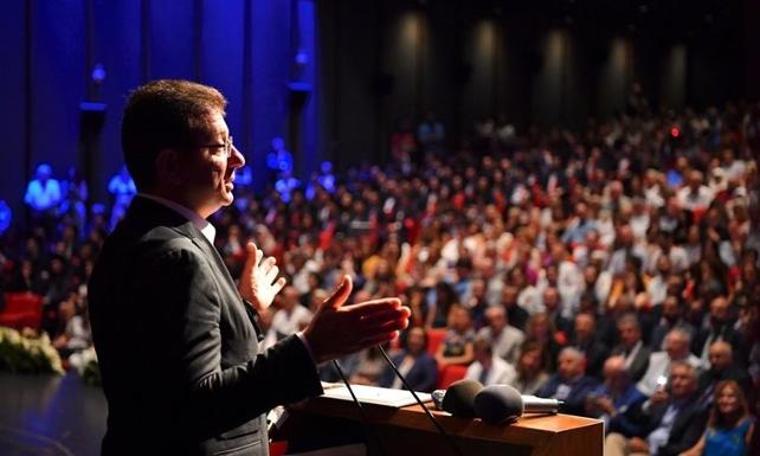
x=167 y=167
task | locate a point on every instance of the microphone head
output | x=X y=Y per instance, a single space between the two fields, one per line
x=460 y=397
x=498 y=403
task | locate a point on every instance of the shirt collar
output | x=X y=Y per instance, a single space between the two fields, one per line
x=203 y=225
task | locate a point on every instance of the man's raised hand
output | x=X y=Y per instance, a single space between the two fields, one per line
x=258 y=282
x=337 y=330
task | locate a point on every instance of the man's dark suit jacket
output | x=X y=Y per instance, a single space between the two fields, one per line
x=687 y=428
x=178 y=347
x=639 y=364
x=575 y=402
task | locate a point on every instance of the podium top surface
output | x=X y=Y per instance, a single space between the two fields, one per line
x=526 y=430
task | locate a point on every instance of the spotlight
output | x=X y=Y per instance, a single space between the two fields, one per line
x=675 y=132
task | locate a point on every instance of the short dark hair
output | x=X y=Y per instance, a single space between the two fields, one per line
x=164 y=114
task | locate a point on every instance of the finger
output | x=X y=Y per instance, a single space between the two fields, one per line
x=279 y=285
x=272 y=274
x=268 y=263
x=341 y=294
x=395 y=324
x=250 y=260
x=379 y=318
x=374 y=306
x=377 y=339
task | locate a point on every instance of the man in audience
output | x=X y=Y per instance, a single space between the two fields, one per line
x=671 y=316
x=614 y=397
x=570 y=384
x=584 y=339
x=488 y=368
x=552 y=308
x=506 y=339
x=720 y=328
x=290 y=318
x=516 y=315
x=631 y=347
x=671 y=420
x=722 y=367
x=660 y=363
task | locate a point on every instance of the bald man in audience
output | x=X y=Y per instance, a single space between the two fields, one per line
x=506 y=340
x=676 y=349
x=615 y=396
x=722 y=367
x=570 y=384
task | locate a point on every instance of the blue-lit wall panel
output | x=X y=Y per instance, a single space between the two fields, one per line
x=12 y=150
x=57 y=81
x=117 y=47
x=247 y=56
x=171 y=39
x=271 y=64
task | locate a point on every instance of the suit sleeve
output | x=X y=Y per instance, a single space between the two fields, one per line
x=190 y=312
x=688 y=438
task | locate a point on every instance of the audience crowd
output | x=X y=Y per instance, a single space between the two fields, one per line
x=614 y=267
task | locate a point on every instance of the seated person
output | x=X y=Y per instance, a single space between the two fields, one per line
x=457 y=344
x=570 y=384
x=531 y=372
x=676 y=349
x=506 y=338
x=617 y=394
x=722 y=367
x=720 y=327
x=415 y=364
x=488 y=368
x=369 y=367
x=631 y=347
x=76 y=335
x=730 y=427
x=584 y=339
x=290 y=318
x=671 y=421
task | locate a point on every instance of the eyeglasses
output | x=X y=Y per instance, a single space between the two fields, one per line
x=227 y=146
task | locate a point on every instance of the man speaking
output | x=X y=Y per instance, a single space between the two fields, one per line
x=176 y=338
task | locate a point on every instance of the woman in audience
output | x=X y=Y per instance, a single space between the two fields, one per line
x=729 y=431
x=457 y=345
x=531 y=372
x=415 y=364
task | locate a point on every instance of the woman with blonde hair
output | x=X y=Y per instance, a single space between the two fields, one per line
x=729 y=430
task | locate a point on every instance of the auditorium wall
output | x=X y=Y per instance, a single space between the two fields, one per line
x=49 y=48
x=386 y=60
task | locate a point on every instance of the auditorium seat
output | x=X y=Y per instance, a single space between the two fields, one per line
x=449 y=374
x=435 y=338
x=22 y=310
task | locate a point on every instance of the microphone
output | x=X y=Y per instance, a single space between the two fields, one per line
x=499 y=403
x=459 y=398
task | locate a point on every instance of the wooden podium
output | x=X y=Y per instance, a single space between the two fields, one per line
x=408 y=430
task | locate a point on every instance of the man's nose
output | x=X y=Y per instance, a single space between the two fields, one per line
x=236 y=159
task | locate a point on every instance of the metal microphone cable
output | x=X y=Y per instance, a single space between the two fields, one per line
x=417 y=398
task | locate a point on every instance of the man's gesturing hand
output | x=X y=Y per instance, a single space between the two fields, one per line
x=257 y=282
x=336 y=330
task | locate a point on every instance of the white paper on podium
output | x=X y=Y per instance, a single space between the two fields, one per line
x=374 y=395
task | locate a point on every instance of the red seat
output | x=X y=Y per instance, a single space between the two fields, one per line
x=435 y=339
x=449 y=374
x=22 y=310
